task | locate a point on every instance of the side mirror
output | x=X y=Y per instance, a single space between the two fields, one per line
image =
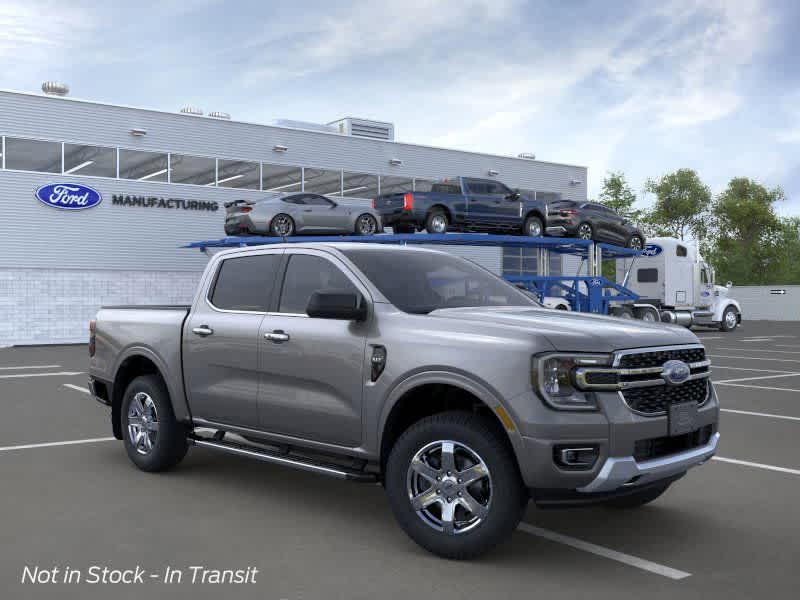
x=336 y=304
x=515 y=195
x=729 y=285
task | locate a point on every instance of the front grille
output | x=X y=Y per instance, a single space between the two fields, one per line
x=656 y=358
x=656 y=399
x=664 y=446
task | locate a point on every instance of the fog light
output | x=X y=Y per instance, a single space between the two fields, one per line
x=582 y=457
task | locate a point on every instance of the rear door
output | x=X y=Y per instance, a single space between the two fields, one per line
x=221 y=342
x=312 y=370
x=488 y=204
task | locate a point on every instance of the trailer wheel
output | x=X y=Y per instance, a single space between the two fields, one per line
x=623 y=312
x=648 y=314
x=730 y=319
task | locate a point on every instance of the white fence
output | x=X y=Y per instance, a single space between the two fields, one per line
x=768 y=302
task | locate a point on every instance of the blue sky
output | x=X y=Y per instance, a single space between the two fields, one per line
x=641 y=87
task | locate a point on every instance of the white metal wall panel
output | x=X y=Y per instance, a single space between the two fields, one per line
x=767 y=303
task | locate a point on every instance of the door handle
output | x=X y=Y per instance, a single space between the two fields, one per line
x=278 y=336
x=308 y=210
x=203 y=330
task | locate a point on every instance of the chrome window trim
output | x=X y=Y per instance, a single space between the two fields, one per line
x=620 y=353
x=218 y=267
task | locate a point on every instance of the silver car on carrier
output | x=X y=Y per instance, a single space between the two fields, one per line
x=287 y=214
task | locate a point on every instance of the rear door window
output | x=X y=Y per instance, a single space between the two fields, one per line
x=307 y=274
x=245 y=283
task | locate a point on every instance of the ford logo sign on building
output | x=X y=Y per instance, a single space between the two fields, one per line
x=68 y=196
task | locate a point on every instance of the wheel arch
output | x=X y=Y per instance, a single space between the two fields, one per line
x=428 y=393
x=535 y=212
x=443 y=207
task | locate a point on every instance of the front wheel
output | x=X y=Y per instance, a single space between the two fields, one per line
x=454 y=486
x=366 y=225
x=533 y=227
x=437 y=221
x=730 y=319
x=154 y=440
x=585 y=231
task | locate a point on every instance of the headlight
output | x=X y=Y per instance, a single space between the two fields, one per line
x=553 y=377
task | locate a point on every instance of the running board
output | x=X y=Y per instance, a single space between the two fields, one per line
x=270 y=457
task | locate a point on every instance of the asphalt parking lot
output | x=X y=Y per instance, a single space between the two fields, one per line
x=70 y=498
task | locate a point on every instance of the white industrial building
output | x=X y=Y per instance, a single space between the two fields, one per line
x=163 y=178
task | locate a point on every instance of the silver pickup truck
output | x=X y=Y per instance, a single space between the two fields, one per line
x=413 y=368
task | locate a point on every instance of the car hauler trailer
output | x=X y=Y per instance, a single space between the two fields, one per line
x=583 y=293
x=674 y=284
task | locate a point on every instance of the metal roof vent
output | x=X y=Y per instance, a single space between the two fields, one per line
x=375 y=130
x=54 y=88
x=192 y=110
x=219 y=115
x=527 y=155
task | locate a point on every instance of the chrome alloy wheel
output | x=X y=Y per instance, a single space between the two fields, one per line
x=534 y=228
x=730 y=319
x=366 y=225
x=449 y=486
x=439 y=224
x=585 y=231
x=282 y=225
x=635 y=243
x=142 y=423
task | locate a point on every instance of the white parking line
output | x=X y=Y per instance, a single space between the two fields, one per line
x=20 y=375
x=761 y=350
x=716 y=366
x=794 y=360
x=633 y=561
x=51 y=444
x=711 y=337
x=756 y=340
x=747 y=463
x=77 y=388
x=757 y=387
x=30 y=367
x=758 y=414
x=755 y=378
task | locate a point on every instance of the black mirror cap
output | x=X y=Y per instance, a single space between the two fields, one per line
x=337 y=304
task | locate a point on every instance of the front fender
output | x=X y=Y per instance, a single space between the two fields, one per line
x=443 y=375
x=720 y=307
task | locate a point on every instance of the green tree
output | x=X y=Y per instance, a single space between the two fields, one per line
x=681 y=207
x=618 y=195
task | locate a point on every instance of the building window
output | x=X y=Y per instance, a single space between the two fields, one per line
x=144 y=166
x=323 y=181
x=280 y=178
x=195 y=170
x=238 y=174
x=360 y=185
x=95 y=161
x=33 y=155
x=396 y=185
x=524 y=261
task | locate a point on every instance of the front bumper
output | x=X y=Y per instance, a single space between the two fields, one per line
x=618 y=472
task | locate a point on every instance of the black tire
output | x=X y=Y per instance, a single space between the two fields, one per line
x=366 y=224
x=403 y=228
x=169 y=445
x=276 y=227
x=585 y=231
x=437 y=221
x=506 y=502
x=729 y=323
x=637 y=499
x=648 y=314
x=623 y=312
x=635 y=242
x=533 y=227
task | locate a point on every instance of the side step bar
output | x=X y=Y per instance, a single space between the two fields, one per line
x=304 y=465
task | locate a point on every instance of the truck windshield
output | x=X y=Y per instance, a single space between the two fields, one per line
x=421 y=282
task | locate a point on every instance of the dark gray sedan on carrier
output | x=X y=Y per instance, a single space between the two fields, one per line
x=287 y=214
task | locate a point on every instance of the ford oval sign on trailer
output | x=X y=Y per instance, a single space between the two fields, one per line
x=652 y=250
x=68 y=196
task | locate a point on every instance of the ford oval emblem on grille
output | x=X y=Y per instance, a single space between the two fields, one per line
x=68 y=196
x=675 y=372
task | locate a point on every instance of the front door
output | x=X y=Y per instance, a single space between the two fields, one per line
x=312 y=370
x=221 y=340
x=322 y=214
x=490 y=205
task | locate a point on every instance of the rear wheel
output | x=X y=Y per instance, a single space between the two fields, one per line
x=623 y=312
x=154 y=440
x=648 y=314
x=453 y=485
x=437 y=221
x=585 y=231
x=533 y=227
x=366 y=224
x=281 y=225
x=637 y=499
x=730 y=319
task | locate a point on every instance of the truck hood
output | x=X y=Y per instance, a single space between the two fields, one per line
x=575 y=332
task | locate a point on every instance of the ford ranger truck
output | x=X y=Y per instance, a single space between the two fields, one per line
x=463 y=204
x=414 y=368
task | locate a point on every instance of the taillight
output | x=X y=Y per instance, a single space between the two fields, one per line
x=568 y=211
x=246 y=209
x=92 y=336
x=408 y=201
